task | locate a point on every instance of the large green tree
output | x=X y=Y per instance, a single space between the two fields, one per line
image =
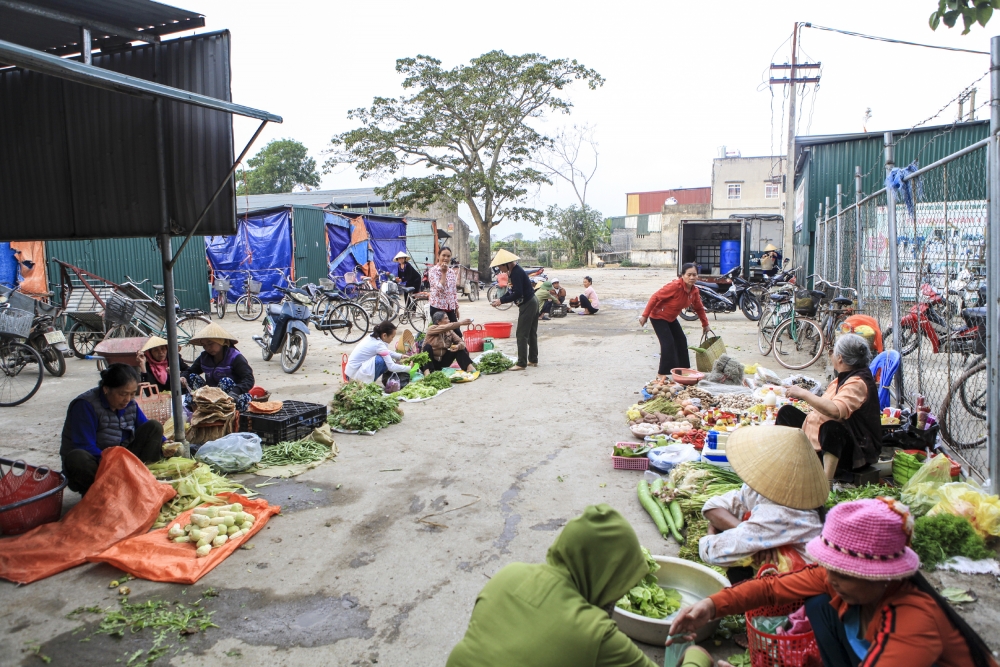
x=470 y=127
x=970 y=11
x=278 y=167
x=580 y=226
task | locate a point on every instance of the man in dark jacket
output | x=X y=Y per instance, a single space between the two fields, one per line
x=522 y=292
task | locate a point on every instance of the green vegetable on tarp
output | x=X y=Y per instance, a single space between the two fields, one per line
x=293 y=453
x=641 y=450
x=861 y=493
x=657 y=491
x=197 y=486
x=652 y=508
x=363 y=407
x=419 y=359
x=939 y=537
x=494 y=362
x=648 y=598
x=416 y=390
x=437 y=379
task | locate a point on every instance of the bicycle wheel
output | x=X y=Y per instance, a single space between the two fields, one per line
x=494 y=293
x=909 y=340
x=83 y=339
x=356 y=319
x=249 y=308
x=797 y=343
x=473 y=291
x=416 y=315
x=220 y=305
x=971 y=432
x=973 y=391
x=20 y=373
x=188 y=328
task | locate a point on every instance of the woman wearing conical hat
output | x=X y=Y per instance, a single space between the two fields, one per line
x=221 y=365
x=772 y=517
x=769 y=260
x=153 y=366
x=521 y=292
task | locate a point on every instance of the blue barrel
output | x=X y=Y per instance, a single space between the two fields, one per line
x=729 y=256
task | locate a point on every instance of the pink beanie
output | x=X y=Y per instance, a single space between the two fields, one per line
x=868 y=539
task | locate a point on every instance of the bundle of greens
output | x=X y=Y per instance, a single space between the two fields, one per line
x=938 y=537
x=363 y=407
x=697 y=528
x=661 y=404
x=631 y=452
x=494 y=362
x=862 y=493
x=437 y=379
x=419 y=360
x=195 y=485
x=695 y=483
x=293 y=453
x=416 y=390
x=647 y=598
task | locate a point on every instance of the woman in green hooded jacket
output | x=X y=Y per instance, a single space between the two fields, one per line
x=557 y=614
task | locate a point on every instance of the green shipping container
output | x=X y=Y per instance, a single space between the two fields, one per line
x=139 y=259
x=309 y=243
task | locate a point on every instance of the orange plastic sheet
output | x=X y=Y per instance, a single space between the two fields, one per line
x=33 y=279
x=152 y=556
x=124 y=501
x=864 y=320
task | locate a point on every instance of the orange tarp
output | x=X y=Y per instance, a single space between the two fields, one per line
x=124 y=501
x=864 y=320
x=152 y=556
x=33 y=280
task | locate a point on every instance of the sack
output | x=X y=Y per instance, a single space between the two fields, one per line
x=233 y=453
x=708 y=352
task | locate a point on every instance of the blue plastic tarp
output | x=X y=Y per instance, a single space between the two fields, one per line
x=387 y=237
x=8 y=265
x=340 y=261
x=263 y=246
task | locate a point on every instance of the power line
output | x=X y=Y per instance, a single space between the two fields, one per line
x=893 y=41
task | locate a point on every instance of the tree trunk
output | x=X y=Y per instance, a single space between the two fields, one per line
x=485 y=255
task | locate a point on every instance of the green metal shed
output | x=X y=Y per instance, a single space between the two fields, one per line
x=138 y=258
x=309 y=243
x=824 y=161
x=420 y=236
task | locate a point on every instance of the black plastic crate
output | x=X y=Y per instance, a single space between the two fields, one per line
x=294 y=421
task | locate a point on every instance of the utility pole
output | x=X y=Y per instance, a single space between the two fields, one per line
x=792 y=81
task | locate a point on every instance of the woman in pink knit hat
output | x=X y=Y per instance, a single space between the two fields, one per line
x=866 y=600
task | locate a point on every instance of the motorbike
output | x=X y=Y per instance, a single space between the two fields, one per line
x=50 y=343
x=726 y=296
x=286 y=327
x=929 y=318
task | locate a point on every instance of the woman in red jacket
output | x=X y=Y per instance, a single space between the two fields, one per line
x=664 y=307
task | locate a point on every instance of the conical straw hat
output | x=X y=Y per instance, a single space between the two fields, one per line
x=153 y=342
x=213 y=330
x=779 y=463
x=503 y=257
x=769 y=247
x=401 y=255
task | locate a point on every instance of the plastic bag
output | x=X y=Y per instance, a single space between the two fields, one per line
x=965 y=500
x=232 y=453
x=921 y=492
x=766 y=376
x=665 y=458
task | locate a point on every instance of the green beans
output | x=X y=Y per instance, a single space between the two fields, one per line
x=291 y=453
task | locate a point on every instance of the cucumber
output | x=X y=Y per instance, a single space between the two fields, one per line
x=652 y=508
x=675 y=510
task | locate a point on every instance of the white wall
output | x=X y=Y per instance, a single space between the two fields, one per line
x=752 y=174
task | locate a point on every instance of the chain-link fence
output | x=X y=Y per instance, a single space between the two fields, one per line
x=940 y=220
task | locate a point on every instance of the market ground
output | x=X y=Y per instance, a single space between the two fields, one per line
x=348 y=574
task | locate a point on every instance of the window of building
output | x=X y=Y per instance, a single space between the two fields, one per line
x=734 y=190
x=770 y=191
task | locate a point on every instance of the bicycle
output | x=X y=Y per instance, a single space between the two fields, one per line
x=221 y=287
x=342 y=318
x=18 y=382
x=800 y=340
x=971 y=387
x=249 y=307
x=494 y=292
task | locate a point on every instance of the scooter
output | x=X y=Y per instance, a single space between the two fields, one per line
x=725 y=296
x=928 y=318
x=50 y=343
x=285 y=329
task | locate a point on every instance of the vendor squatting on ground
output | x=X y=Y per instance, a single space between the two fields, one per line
x=221 y=365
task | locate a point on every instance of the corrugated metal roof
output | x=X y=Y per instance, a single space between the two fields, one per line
x=639 y=203
x=80 y=162
x=814 y=140
x=351 y=198
x=63 y=37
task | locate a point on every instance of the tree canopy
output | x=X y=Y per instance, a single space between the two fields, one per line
x=580 y=226
x=970 y=11
x=469 y=127
x=278 y=167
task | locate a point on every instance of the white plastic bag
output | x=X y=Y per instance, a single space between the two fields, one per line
x=665 y=458
x=231 y=453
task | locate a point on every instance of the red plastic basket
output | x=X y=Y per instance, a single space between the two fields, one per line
x=768 y=650
x=498 y=329
x=629 y=462
x=154 y=404
x=28 y=498
x=474 y=337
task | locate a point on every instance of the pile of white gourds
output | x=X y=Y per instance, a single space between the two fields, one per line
x=212 y=526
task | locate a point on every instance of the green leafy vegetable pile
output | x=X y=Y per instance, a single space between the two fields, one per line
x=419 y=359
x=363 y=407
x=648 y=598
x=416 y=390
x=494 y=362
x=939 y=537
x=862 y=493
x=437 y=379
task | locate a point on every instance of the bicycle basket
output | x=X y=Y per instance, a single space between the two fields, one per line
x=15 y=322
x=255 y=286
x=119 y=309
x=805 y=302
x=221 y=285
x=326 y=283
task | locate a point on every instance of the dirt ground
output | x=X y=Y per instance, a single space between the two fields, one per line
x=348 y=574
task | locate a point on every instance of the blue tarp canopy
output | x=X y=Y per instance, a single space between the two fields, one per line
x=387 y=237
x=8 y=265
x=263 y=246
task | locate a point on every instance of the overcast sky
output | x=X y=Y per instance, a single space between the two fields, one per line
x=683 y=78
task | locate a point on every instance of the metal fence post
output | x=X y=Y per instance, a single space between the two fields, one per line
x=893 y=248
x=993 y=273
x=826 y=239
x=857 y=234
x=840 y=243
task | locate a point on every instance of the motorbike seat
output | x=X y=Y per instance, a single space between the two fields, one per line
x=843 y=301
x=406 y=290
x=780 y=298
x=974 y=313
x=274 y=309
x=158 y=288
x=702 y=283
